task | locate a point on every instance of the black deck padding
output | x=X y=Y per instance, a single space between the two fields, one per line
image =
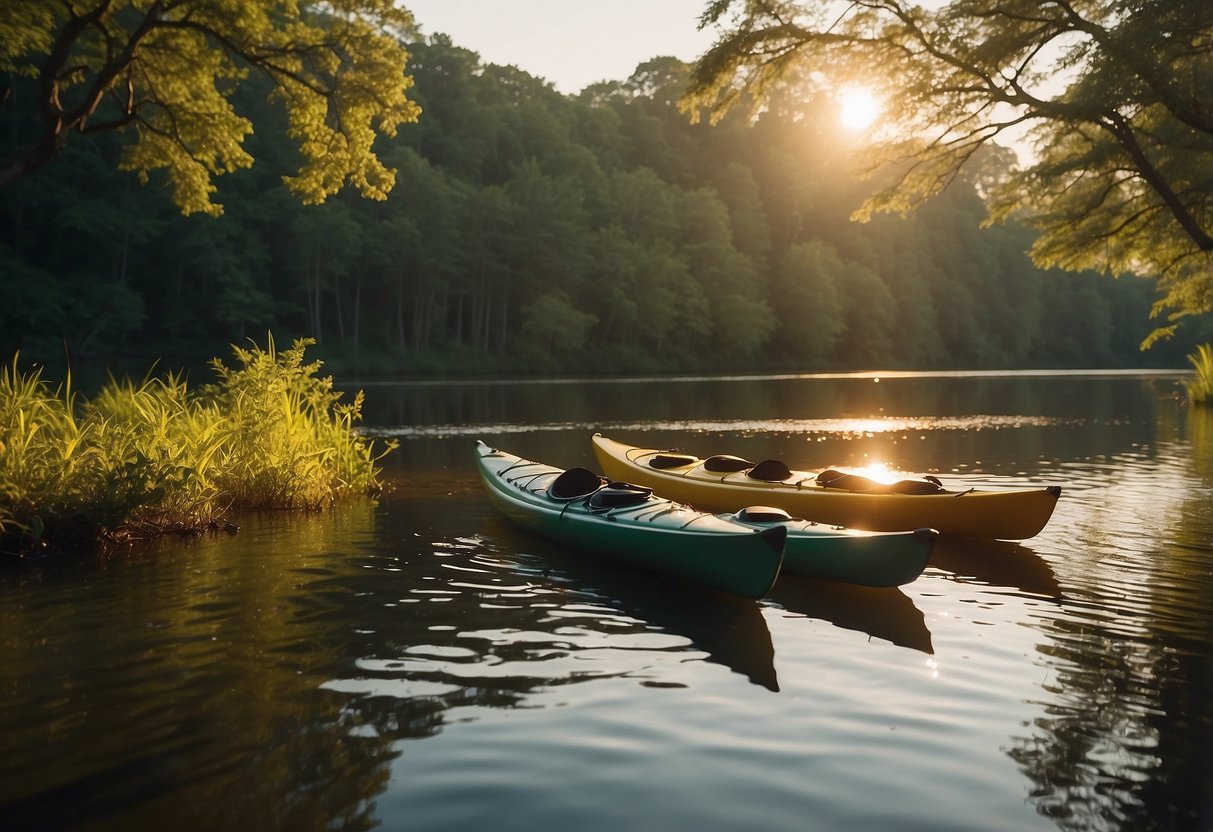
x=574 y=483
x=769 y=470
x=726 y=464
x=670 y=460
x=619 y=494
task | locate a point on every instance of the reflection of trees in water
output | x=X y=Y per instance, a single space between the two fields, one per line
x=1119 y=743
x=540 y=402
x=1086 y=418
x=1200 y=437
x=1122 y=741
x=181 y=683
x=272 y=689
x=212 y=680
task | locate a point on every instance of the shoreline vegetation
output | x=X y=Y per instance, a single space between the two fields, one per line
x=1200 y=386
x=138 y=461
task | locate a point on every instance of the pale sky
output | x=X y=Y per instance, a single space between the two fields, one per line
x=571 y=44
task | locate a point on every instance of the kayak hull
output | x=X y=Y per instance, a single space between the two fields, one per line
x=853 y=556
x=656 y=533
x=1006 y=515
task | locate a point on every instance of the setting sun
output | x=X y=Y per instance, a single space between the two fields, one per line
x=858 y=108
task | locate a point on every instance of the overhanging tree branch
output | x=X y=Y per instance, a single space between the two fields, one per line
x=1123 y=133
x=1134 y=93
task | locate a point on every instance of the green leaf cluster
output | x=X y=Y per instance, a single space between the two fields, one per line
x=167 y=71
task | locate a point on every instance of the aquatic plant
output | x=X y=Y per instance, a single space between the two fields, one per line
x=1200 y=387
x=141 y=460
x=288 y=442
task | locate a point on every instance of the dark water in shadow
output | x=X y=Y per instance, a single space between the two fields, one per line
x=416 y=663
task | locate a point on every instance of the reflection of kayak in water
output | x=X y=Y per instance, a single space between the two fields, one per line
x=729 y=630
x=882 y=612
x=997 y=563
x=728 y=483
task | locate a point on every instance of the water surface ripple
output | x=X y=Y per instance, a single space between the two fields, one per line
x=415 y=662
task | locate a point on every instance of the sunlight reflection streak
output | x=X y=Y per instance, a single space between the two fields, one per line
x=842 y=427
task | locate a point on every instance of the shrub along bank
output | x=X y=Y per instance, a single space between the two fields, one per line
x=142 y=460
x=1200 y=386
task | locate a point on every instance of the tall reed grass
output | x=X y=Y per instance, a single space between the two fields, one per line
x=1200 y=386
x=141 y=460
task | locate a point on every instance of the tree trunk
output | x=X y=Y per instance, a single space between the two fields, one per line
x=400 y=311
x=419 y=306
x=315 y=304
x=100 y=320
x=477 y=315
x=337 y=308
x=505 y=318
x=357 y=307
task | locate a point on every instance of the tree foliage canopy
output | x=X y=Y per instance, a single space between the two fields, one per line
x=168 y=69
x=1115 y=95
x=531 y=231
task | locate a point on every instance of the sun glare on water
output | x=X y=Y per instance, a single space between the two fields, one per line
x=858 y=107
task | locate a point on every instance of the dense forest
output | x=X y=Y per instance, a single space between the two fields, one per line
x=535 y=232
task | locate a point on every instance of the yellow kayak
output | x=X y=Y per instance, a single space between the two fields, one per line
x=728 y=483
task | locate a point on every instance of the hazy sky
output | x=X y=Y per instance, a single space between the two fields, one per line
x=571 y=43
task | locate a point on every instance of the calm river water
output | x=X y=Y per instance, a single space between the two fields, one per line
x=414 y=663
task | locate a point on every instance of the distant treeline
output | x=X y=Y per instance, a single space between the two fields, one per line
x=531 y=231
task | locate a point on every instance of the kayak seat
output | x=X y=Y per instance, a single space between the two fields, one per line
x=726 y=464
x=850 y=482
x=619 y=494
x=927 y=485
x=574 y=483
x=670 y=460
x=763 y=514
x=864 y=485
x=769 y=470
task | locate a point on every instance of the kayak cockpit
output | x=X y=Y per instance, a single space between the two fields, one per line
x=840 y=480
x=764 y=514
x=619 y=495
x=583 y=484
x=574 y=484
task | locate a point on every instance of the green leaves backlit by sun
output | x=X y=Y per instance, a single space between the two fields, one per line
x=1116 y=95
x=166 y=73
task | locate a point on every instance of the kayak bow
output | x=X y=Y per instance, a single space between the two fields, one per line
x=816 y=550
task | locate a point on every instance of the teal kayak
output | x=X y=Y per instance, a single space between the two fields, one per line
x=839 y=554
x=629 y=523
